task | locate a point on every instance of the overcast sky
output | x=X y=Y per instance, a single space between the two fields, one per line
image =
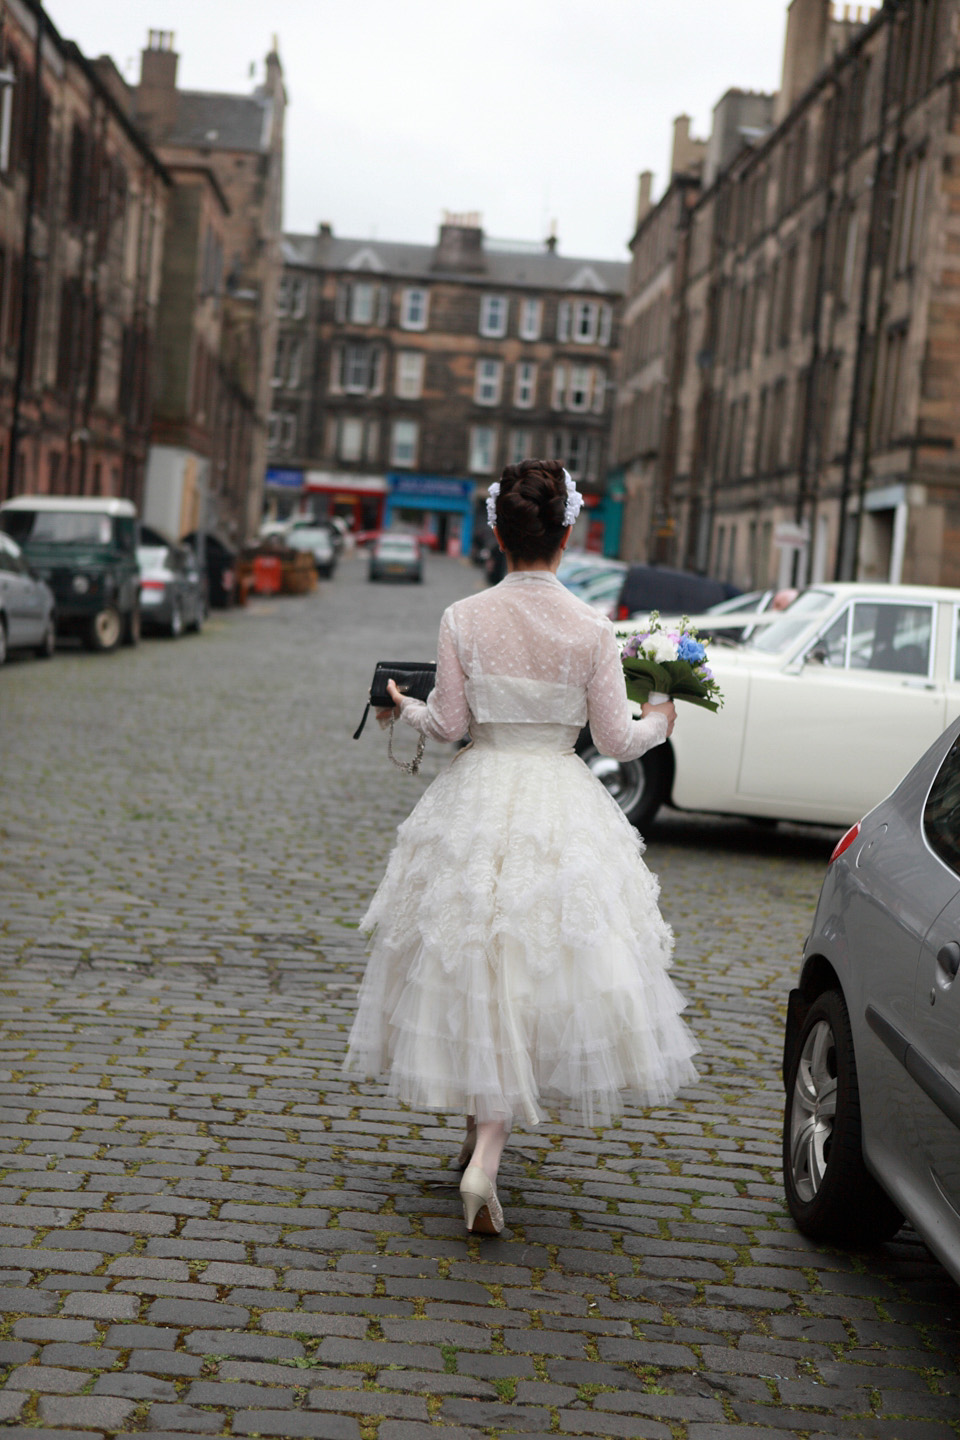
x=528 y=111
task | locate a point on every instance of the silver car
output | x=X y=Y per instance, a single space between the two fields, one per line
x=871 y=1057
x=26 y=605
x=396 y=556
x=171 y=589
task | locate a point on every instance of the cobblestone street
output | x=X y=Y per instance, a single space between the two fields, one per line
x=208 y=1231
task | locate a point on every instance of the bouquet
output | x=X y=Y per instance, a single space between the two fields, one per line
x=661 y=665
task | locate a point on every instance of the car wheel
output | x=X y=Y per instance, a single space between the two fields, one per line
x=639 y=787
x=3 y=642
x=830 y=1192
x=104 y=629
x=48 y=643
x=175 y=627
x=132 y=626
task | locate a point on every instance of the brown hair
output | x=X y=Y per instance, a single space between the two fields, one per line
x=530 y=509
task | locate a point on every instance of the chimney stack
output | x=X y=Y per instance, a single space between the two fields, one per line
x=688 y=154
x=157 y=91
x=460 y=246
x=805 y=50
x=644 y=195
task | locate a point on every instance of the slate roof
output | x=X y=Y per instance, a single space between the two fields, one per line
x=228 y=122
x=532 y=268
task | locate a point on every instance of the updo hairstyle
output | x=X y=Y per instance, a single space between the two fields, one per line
x=530 y=509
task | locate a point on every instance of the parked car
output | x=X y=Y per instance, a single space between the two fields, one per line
x=218 y=565
x=826 y=707
x=171 y=588
x=396 y=556
x=870 y=1131
x=27 y=618
x=86 y=551
x=748 y=606
x=315 y=540
x=672 y=592
x=580 y=567
x=601 y=591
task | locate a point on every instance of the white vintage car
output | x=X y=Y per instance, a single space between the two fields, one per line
x=827 y=708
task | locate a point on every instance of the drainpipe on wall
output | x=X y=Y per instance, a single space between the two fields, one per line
x=848 y=540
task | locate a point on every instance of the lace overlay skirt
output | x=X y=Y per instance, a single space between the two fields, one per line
x=519 y=959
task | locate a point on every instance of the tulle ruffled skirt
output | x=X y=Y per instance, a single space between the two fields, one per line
x=519 y=959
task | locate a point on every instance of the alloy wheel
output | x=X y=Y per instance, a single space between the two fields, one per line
x=814 y=1110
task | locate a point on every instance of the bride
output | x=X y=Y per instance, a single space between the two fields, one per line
x=519 y=958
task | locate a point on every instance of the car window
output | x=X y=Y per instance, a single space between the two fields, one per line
x=894 y=638
x=150 y=556
x=831 y=647
x=956 y=644
x=941 y=814
x=58 y=527
x=126 y=530
x=10 y=558
x=782 y=633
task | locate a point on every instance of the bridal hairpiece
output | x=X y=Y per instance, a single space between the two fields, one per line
x=572 y=510
x=574 y=499
x=492 y=494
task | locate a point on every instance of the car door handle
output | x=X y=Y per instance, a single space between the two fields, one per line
x=918 y=684
x=948 y=958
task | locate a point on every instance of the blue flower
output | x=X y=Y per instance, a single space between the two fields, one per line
x=690 y=650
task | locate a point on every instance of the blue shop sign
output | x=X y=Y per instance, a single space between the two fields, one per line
x=292 y=479
x=429 y=487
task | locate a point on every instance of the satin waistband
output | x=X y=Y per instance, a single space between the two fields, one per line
x=529 y=739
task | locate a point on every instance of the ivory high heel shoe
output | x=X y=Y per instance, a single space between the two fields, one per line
x=481 y=1208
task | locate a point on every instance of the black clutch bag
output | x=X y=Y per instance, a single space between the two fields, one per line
x=412 y=677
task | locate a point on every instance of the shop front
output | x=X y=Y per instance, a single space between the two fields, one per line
x=282 y=492
x=437 y=505
x=358 y=499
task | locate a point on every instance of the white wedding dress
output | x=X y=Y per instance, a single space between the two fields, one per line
x=519 y=958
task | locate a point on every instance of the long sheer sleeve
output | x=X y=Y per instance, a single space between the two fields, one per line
x=445 y=715
x=614 y=730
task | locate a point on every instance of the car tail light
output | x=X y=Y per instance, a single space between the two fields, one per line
x=153 y=584
x=845 y=841
x=623 y=612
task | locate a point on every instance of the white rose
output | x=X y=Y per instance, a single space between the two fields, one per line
x=664 y=649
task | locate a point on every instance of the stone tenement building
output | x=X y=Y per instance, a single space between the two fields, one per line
x=814 y=354
x=82 y=211
x=219 y=329
x=407 y=376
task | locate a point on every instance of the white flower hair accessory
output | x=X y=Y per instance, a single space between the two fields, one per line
x=492 y=494
x=571 y=511
x=574 y=499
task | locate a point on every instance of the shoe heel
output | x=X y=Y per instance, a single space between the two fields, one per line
x=481 y=1208
x=472 y=1204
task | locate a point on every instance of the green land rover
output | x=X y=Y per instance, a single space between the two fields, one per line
x=86 y=551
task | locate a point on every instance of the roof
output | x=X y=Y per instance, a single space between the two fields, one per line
x=72 y=504
x=540 y=269
x=228 y=122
